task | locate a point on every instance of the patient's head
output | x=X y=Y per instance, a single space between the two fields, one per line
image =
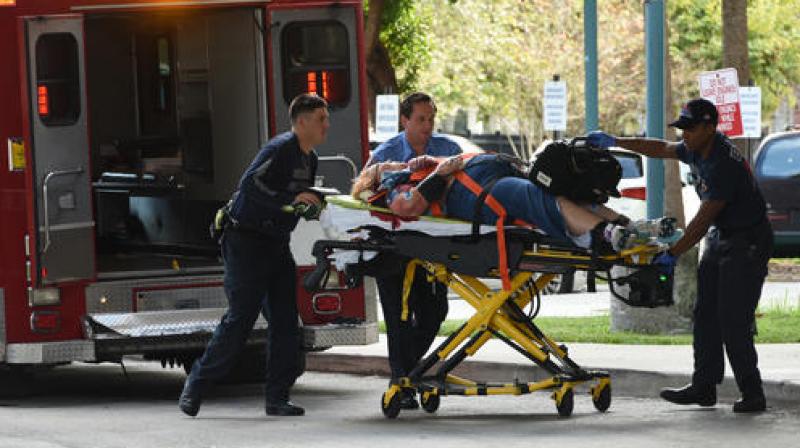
x=367 y=183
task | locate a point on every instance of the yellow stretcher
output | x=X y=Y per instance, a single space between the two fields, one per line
x=461 y=262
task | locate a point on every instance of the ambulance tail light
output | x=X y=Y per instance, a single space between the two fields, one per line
x=326 y=303
x=328 y=84
x=43 y=101
x=639 y=193
x=45 y=321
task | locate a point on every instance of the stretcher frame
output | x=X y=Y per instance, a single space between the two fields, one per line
x=498 y=313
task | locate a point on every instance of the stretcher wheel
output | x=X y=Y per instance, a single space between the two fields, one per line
x=567 y=404
x=392 y=410
x=430 y=404
x=603 y=401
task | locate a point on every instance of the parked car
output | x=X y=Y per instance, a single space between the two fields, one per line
x=777 y=170
x=633 y=187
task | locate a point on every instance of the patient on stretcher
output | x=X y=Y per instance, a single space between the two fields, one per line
x=492 y=189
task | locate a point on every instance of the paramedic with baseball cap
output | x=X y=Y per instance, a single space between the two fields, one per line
x=732 y=269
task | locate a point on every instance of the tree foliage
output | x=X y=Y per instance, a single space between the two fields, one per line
x=495 y=56
x=404 y=33
x=773 y=33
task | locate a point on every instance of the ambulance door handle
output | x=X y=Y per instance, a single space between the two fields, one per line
x=46 y=181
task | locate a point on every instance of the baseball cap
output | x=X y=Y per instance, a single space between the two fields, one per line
x=694 y=112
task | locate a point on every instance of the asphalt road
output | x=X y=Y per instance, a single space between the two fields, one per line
x=96 y=406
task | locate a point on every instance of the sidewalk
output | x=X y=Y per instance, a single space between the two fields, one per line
x=637 y=370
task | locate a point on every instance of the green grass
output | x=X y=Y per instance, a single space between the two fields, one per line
x=779 y=324
x=786 y=260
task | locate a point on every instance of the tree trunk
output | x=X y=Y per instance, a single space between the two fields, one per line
x=372 y=26
x=735 y=52
x=734 y=38
x=380 y=72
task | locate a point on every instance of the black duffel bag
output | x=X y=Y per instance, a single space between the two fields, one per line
x=577 y=170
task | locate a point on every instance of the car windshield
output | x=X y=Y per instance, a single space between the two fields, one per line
x=781 y=158
x=631 y=164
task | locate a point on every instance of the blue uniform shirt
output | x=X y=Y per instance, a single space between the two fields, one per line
x=397 y=149
x=726 y=176
x=279 y=172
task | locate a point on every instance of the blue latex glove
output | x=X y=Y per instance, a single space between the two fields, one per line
x=601 y=139
x=666 y=262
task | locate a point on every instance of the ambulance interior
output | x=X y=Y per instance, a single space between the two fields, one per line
x=177 y=108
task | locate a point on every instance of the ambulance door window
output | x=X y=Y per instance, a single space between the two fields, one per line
x=315 y=60
x=164 y=74
x=155 y=90
x=57 y=79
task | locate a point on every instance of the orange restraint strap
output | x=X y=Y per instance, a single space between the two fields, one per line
x=500 y=211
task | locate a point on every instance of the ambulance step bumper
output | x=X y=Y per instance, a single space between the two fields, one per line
x=117 y=334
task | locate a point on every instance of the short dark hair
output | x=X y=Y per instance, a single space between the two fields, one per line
x=305 y=102
x=407 y=106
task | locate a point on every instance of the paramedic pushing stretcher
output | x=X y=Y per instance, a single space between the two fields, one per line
x=260 y=273
x=409 y=341
x=734 y=265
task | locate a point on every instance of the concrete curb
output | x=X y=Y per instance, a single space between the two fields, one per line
x=625 y=382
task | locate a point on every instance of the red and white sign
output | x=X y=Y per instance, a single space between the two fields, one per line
x=721 y=87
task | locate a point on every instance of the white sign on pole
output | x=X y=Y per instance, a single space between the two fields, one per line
x=721 y=87
x=387 y=116
x=750 y=100
x=555 y=105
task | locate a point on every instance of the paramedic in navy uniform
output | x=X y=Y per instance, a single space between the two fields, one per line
x=734 y=265
x=409 y=341
x=259 y=267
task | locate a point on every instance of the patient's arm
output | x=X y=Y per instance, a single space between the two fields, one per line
x=608 y=214
x=408 y=202
x=421 y=162
x=413 y=201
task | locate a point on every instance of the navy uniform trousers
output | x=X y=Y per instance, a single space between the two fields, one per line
x=730 y=277
x=260 y=277
x=408 y=341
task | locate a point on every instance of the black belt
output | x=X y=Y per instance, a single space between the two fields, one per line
x=748 y=233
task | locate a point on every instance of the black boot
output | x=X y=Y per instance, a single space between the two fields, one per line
x=284 y=408
x=190 y=400
x=753 y=399
x=751 y=403
x=704 y=395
